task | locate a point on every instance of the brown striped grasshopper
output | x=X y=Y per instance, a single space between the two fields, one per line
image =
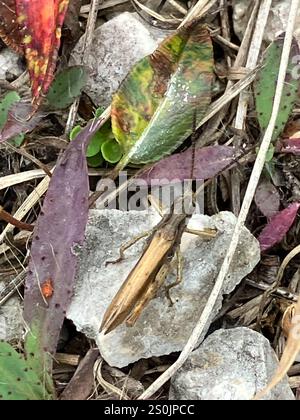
x=149 y=273
x=152 y=268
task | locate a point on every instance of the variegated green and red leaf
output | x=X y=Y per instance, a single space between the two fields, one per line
x=33 y=27
x=154 y=109
x=40 y=22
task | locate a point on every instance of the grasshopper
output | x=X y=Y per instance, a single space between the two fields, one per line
x=150 y=271
x=152 y=268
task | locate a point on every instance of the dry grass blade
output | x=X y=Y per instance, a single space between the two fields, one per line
x=154 y=14
x=177 y=6
x=22 y=237
x=200 y=8
x=254 y=179
x=103 y=5
x=27 y=155
x=293 y=343
x=230 y=94
x=30 y=201
x=108 y=387
x=14 y=179
x=68 y=359
x=89 y=34
x=19 y=178
x=242 y=108
x=12 y=287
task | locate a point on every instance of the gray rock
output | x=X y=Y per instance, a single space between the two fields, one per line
x=229 y=365
x=277 y=20
x=11 y=320
x=118 y=45
x=162 y=328
x=9 y=64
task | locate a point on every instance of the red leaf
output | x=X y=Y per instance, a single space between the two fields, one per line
x=291 y=145
x=278 y=227
x=209 y=161
x=267 y=198
x=18 y=122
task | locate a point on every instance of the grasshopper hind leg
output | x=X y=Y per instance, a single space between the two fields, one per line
x=179 y=259
x=128 y=245
x=149 y=295
x=155 y=286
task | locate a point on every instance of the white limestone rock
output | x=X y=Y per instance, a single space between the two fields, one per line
x=230 y=364
x=161 y=329
x=11 y=320
x=118 y=44
x=10 y=64
x=277 y=20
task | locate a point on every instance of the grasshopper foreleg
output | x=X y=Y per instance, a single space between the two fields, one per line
x=179 y=277
x=128 y=245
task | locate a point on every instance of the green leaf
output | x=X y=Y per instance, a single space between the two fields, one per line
x=265 y=86
x=99 y=138
x=37 y=358
x=66 y=87
x=74 y=132
x=95 y=161
x=99 y=111
x=18 y=380
x=18 y=140
x=153 y=112
x=5 y=105
x=270 y=153
x=111 y=151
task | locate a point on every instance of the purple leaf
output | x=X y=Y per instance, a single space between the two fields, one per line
x=278 y=227
x=59 y=229
x=20 y=120
x=267 y=198
x=209 y=161
x=290 y=146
